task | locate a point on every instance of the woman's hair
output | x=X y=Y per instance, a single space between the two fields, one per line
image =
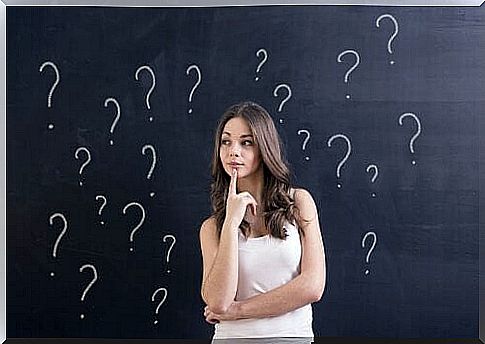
x=278 y=205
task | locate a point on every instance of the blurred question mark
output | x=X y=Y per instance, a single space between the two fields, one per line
x=118 y=113
x=171 y=246
x=64 y=229
x=357 y=62
x=306 y=139
x=154 y=161
x=98 y=197
x=58 y=78
x=199 y=78
x=165 y=292
x=396 y=30
x=412 y=115
x=95 y=277
x=141 y=221
x=372 y=247
x=374 y=177
x=349 y=148
x=265 y=54
x=147 y=99
x=275 y=93
x=76 y=155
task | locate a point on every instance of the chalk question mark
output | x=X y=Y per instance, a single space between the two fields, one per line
x=64 y=229
x=418 y=122
x=147 y=99
x=396 y=30
x=95 y=278
x=53 y=87
x=98 y=197
x=258 y=54
x=349 y=148
x=275 y=93
x=374 y=177
x=306 y=140
x=118 y=113
x=154 y=161
x=199 y=78
x=76 y=155
x=372 y=247
x=141 y=221
x=165 y=292
x=357 y=62
x=171 y=246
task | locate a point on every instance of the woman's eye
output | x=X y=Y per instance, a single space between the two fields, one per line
x=248 y=142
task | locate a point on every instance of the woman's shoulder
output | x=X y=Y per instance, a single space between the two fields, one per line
x=299 y=193
x=209 y=224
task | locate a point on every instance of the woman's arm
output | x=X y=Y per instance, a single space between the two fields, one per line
x=220 y=261
x=306 y=288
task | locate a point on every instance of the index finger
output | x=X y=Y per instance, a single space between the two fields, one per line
x=232 y=185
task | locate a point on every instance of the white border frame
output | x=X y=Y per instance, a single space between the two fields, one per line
x=167 y=3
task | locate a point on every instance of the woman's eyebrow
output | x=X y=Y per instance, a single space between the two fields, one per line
x=243 y=135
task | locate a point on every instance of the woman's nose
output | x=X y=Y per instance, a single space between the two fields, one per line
x=235 y=150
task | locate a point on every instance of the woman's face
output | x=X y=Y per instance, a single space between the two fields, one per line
x=238 y=147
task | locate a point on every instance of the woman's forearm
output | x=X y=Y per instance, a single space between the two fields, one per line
x=293 y=295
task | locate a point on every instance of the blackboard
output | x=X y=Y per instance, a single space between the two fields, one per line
x=411 y=107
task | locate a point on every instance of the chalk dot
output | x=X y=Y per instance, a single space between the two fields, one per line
x=414 y=162
x=190 y=110
x=281 y=120
x=152 y=194
x=155 y=322
x=102 y=222
x=131 y=249
x=373 y=194
x=307 y=158
x=392 y=62
x=50 y=126
x=168 y=271
x=82 y=316
x=111 y=142
x=256 y=78
x=52 y=274
x=366 y=272
x=347 y=96
x=151 y=119
x=80 y=183
x=339 y=186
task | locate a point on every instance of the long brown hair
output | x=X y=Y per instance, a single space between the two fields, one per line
x=278 y=204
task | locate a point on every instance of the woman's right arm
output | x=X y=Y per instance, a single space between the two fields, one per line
x=220 y=265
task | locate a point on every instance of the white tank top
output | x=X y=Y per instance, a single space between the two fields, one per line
x=266 y=263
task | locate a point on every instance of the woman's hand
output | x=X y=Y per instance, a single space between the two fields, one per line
x=230 y=314
x=237 y=203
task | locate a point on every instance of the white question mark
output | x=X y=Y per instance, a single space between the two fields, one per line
x=64 y=229
x=95 y=277
x=396 y=30
x=147 y=99
x=199 y=78
x=98 y=197
x=58 y=78
x=374 y=177
x=171 y=246
x=140 y=223
x=118 y=113
x=372 y=247
x=165 y=292
x=275 y=93
x=357 y=62
x=306 y=139
x=412 y=115
x=76 y=155
x=258 y=53
x=154 y=161
x=349 y=148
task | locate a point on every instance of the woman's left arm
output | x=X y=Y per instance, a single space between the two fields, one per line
x=306 y=288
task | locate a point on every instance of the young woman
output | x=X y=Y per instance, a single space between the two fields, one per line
x=262 y=250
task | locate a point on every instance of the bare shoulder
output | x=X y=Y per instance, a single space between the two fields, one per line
x=302 y=196
x=305 y=203
x=208 y=226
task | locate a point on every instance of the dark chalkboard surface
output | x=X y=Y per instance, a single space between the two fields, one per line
x=110 y=117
